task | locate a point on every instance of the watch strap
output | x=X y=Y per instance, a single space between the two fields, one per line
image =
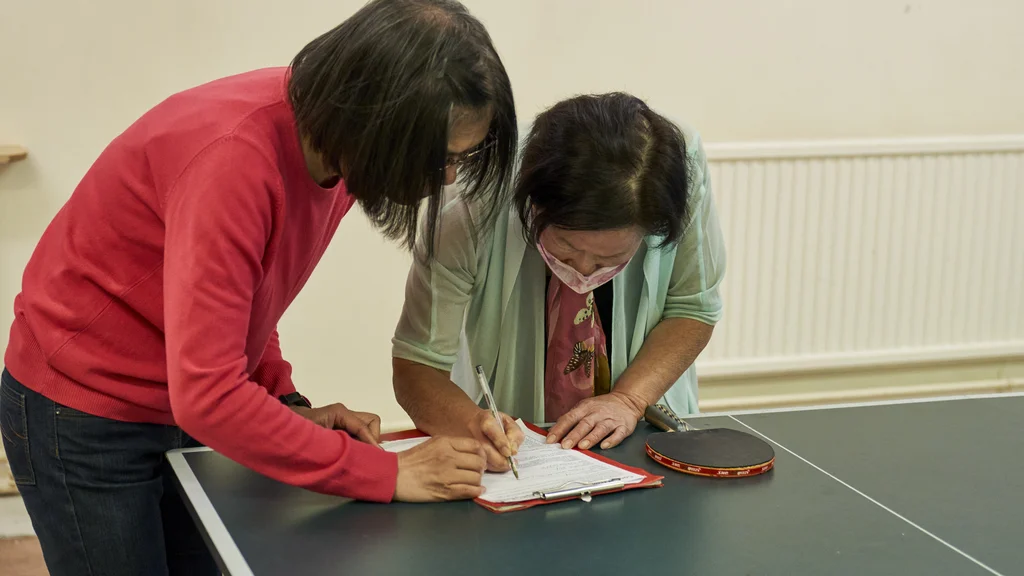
x=294 y=399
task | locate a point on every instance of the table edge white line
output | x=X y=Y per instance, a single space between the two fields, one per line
x=872 y=500
x=189 y=450
x=215 y=528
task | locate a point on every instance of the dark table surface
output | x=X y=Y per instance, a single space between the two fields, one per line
x=911 y=488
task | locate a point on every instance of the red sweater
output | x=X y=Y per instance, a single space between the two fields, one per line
x=155 y=293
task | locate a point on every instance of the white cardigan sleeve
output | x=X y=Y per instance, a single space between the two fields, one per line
x=438 y=290
x=693 y=290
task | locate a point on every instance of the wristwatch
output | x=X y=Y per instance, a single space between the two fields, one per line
x=294 y=399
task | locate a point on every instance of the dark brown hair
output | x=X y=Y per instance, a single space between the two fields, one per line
x=600 y=162
x=376 y=98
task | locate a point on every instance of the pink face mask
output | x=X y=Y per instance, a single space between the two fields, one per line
x=571 y=277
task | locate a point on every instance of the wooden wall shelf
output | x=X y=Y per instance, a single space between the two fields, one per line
x=10 y=154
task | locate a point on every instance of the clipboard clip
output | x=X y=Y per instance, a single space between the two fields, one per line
x=585 y=492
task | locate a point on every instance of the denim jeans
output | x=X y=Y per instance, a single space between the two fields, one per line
x=99 y=491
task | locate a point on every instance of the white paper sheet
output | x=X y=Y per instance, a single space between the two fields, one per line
x=542 y=468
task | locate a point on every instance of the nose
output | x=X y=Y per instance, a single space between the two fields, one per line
x=450 y=172
x=585 y=266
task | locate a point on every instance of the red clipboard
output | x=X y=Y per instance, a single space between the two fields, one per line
x=649 y=480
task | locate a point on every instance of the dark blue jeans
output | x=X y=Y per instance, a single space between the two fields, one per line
x=99 y=491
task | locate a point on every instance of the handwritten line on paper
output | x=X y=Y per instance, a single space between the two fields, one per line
x=542 y=468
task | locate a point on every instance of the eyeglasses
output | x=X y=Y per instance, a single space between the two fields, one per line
x=460 y=160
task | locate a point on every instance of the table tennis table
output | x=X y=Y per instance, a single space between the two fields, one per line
x=923 y=486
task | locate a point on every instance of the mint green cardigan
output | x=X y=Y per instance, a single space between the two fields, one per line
x=481 y=300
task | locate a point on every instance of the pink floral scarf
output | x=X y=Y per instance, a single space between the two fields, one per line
x=577 y=357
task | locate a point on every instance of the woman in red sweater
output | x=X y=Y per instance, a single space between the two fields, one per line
x=147 y=318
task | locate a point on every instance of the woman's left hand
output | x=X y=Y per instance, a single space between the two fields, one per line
x=608 y=419
x=363 y=425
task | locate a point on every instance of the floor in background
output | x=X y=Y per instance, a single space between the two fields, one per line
x=22 y=557
x=14 y=520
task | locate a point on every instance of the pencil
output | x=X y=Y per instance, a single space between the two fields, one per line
x=482 y=379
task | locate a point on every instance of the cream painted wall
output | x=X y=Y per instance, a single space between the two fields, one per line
x=74 y=74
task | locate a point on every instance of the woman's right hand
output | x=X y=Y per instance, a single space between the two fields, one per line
x=441 y=469
x=497 y=445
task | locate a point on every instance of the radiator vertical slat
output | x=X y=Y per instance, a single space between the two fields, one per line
x=1015 y=293
x=907 y=224
x=829 y=231
x=938 y=183
x=949 y=240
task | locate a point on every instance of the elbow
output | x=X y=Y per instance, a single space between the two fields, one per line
x=187 y=408
x=401 y=381
x=415 y=386
x=185 y=414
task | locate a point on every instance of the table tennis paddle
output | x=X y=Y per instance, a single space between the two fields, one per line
x=712 y=452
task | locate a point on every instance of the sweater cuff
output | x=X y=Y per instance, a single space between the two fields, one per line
x=275 y=377
x=373 y=474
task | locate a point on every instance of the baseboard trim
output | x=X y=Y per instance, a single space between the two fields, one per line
x=766 y=401
x=710 y=371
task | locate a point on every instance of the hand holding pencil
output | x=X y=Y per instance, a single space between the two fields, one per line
x=498 y=432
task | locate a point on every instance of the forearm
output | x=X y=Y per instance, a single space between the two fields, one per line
x=242 y=422
x=667 y=353
x=436 y=405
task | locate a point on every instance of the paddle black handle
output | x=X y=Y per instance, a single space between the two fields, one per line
x=663 y=418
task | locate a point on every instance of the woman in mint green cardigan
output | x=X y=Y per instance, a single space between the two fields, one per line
x=586 y=303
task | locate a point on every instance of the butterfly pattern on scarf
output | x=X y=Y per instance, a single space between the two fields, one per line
x=582 y=355
x=586 y=313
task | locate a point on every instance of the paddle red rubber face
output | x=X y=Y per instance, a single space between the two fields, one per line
x=716 y=452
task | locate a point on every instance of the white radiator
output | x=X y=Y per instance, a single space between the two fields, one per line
x=868 y=252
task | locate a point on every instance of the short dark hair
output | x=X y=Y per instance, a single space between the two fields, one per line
x=600 y=162
x=376 y=97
